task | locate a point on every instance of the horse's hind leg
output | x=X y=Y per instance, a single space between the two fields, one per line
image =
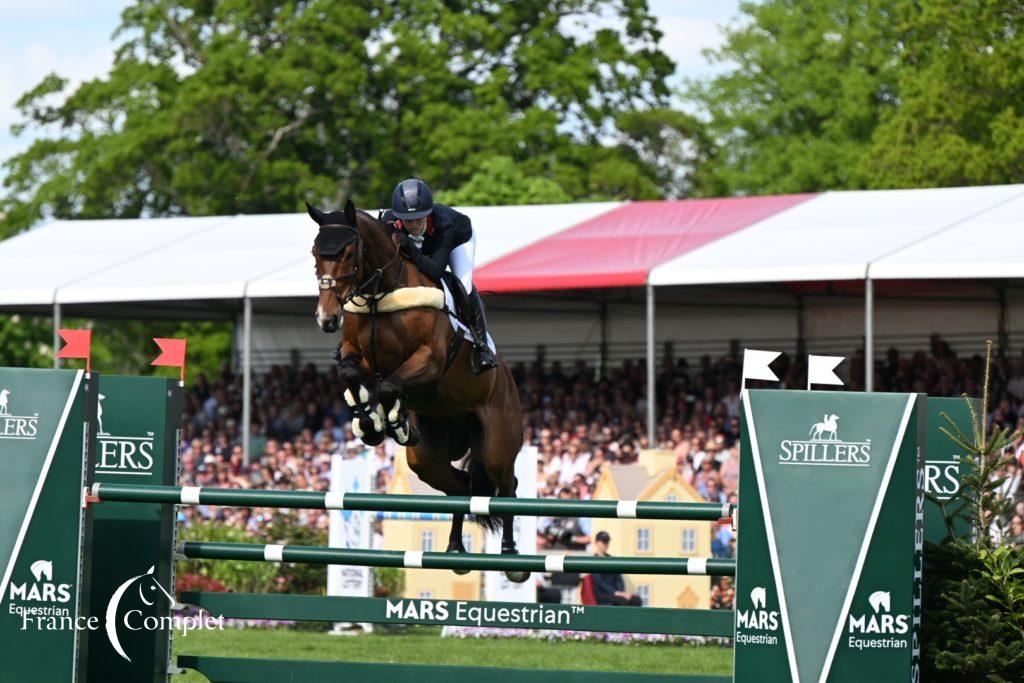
x=430 y=460
x=496 y=448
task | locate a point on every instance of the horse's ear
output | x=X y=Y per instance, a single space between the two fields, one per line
x=350 y=212
x=315 y=213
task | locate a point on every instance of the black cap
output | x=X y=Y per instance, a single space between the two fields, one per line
x=603 y=537
x=412 y=199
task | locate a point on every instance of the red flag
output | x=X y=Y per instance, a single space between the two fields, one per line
x=172 y=353
x=77 y=344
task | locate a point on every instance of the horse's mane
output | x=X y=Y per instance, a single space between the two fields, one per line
x=376 y=220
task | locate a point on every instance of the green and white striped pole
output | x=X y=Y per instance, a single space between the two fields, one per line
x=692 y=566
x=374 y=502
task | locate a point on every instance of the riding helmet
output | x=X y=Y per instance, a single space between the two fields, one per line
x=412 y=199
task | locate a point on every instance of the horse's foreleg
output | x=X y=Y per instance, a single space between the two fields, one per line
x=423 y=366
x=367 y=423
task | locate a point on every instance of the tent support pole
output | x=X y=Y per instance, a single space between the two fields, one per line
x=247 y=380
x=1004 y=338
x=604 y=366
x=56 y=334
x=651 y=435
x=869 y=333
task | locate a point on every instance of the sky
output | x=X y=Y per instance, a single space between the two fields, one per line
x=75 y=39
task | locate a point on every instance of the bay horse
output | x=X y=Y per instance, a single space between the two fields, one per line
x=407 y=370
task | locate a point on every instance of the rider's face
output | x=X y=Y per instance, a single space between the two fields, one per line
x=416 y=226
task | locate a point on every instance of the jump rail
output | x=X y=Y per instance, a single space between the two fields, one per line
x=477 y=505
x=694 y=566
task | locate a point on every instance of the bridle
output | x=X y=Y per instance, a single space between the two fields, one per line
x=335 y=237
x=330 y=242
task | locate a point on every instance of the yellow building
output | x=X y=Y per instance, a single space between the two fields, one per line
x=654 y=478
x=421 y=532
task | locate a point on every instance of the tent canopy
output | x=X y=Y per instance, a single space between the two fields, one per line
x=840 y=235
x=966 y=233
x=500 y=230
x=619 y=248
x=214 y=258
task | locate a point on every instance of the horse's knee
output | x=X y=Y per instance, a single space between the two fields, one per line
x=387 y=393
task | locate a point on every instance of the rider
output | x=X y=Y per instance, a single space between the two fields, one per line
x=436 y=237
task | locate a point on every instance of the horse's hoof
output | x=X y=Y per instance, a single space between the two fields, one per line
x=517 y=577
x=460 y=572
x=414 y=436
x=365 y=429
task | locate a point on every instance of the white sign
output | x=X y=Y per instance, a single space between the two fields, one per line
x=349 y=528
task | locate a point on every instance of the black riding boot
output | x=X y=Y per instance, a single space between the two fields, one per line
x=483 y=357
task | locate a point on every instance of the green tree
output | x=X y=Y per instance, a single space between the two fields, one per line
x=806 y=85
x=25 y=342
x=500 y=181
x=675 y=148
x=960 y=119
x=227 y=107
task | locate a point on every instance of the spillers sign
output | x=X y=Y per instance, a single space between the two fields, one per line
x=823 y=446
x=122 y=449
x=828 y=574
x=13 y=425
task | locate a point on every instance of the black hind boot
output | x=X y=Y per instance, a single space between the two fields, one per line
x=471 y=307
x=483 y=357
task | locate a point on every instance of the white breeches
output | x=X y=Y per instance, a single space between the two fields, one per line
x=461 y=262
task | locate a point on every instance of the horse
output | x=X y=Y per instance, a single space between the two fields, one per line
x=407 y=370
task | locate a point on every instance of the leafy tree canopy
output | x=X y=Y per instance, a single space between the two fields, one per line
x=252 y=106
x=805 y=86
x=960 y=119
x=499 y=181
x=851 y=94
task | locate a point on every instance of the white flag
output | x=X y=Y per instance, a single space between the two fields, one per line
x=820 y=370
x=755 y=365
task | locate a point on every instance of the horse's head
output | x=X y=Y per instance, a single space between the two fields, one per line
x=337 y=252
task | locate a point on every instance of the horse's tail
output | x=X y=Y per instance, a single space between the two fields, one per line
x=481 y=485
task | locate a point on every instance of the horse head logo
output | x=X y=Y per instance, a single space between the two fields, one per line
x=829 y=426
x=42 y=569
x=4 y=393
x=880 y=600
x=149 y=590
x=759 y=596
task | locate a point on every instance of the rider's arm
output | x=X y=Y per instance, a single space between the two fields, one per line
x=433 y=266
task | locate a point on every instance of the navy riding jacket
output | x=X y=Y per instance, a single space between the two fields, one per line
x=446 y=229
